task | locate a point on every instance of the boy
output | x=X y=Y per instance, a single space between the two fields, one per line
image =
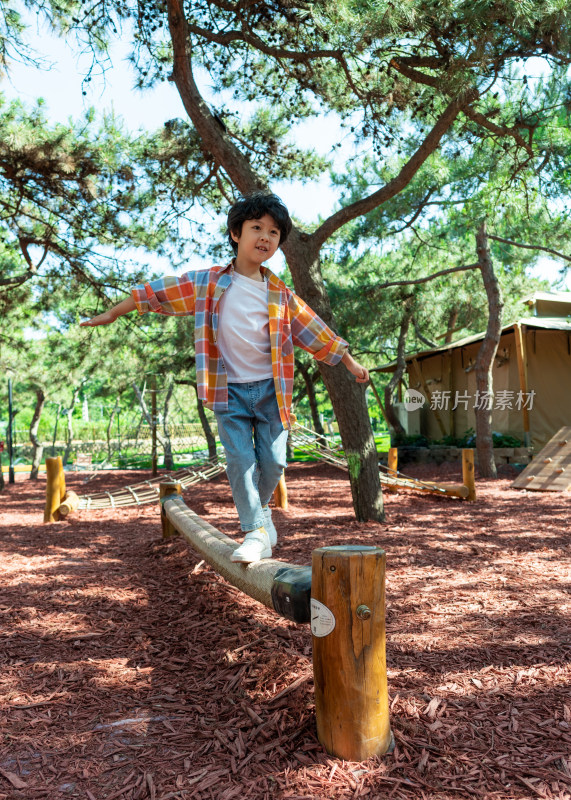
x=246 y=324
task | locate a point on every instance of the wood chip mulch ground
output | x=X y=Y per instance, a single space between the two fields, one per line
x=130 y=670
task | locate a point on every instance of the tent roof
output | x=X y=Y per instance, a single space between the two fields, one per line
x=548 y=304
x=549 y=323
x=556 y=297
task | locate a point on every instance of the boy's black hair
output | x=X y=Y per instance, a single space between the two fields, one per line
x=254 y=206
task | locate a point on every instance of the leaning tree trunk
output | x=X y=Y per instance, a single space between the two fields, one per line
x=38 y=448
x=207 y=430
x=485 y=359
x=308 y=380
x=347 y=397
x=69 y=437
x=390 y=413
x=208 y=435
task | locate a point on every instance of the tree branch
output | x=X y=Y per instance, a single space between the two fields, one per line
x=25 y=242
x=251 y=39
x=421 y=206
x=394 y=186
x=530 y=246
x=17 y=280
x=499 y=130
x=420 y=337
x=422 y=280
x=218 y=143
x=476 y=116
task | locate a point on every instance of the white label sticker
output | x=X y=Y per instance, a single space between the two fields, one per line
x=322 y=619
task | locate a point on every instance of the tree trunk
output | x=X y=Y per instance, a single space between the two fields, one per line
x=347 y=397
x=289 y=448
x=450 y=328
x=55 y=430
x=69 y=414
x=167 y=447
x=163 y=441
x=208 y=435
x=485 y=359
x=390 y=413
x=38 y=448
x=109 y=424
x=308 y=380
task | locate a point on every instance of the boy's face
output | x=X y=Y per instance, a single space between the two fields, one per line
x=259 y=240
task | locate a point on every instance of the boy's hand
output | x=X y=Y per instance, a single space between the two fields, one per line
x=101 y=319
x=124 y=307
x=361 y=373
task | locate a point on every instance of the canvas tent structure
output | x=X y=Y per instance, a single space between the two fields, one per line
x=531 y=374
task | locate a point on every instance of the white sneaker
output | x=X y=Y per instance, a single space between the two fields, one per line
x=269 y=525
x=256 y=545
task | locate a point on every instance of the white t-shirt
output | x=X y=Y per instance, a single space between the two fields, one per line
x=244 y=330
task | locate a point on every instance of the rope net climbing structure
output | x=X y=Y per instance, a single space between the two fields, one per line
x=327 y=449
x=139 y=494
x=321 y=447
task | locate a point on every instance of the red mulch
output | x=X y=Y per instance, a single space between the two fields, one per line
x=131 y=670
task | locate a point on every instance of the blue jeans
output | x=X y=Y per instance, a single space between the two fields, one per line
x=254 y=440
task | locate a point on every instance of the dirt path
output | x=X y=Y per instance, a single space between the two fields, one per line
x=130 y=670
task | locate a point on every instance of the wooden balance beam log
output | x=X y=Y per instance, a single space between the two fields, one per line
x=69 y=503
x=342 y=595
x=465 y=490
x=449 y=489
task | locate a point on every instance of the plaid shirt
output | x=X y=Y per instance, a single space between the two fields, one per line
x=291 y=322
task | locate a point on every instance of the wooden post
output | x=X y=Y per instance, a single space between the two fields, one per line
x=392 y=463
x=280 y=494
x=349 y=663
x=62 y=489
x=166 y=489
x=468 y=473
x=519 y=333
x=10 y=435
x=53 y=489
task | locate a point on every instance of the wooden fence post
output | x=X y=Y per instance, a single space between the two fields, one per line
x=166 y=489
x=280 y=494
x=468 y=473
x=392 y=463
x=53 y=488
x=349 y=662
x=62 y=487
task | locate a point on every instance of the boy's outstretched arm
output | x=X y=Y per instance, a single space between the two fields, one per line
x=361 y=373
x=107 y=317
